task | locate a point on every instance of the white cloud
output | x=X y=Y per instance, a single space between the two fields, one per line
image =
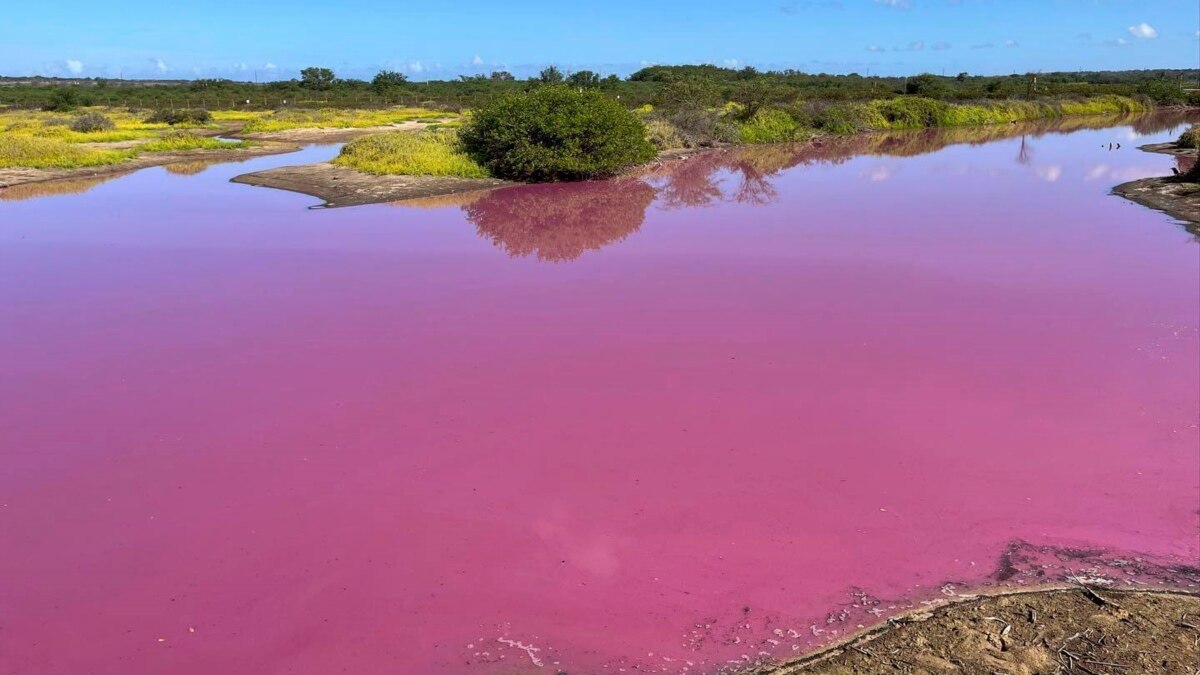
x=731 y=63
x=75 y=66
x=477 y=61
x=894 y=4
x=416 y=67
x=1050 y=173
x=875 y=48
x=1010 y=43
x=878 y=173
x=1143 y=31
x=270 y=66
x=161 y=66
x=941 y=46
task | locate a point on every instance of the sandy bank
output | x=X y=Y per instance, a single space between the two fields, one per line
x=1063 y=630
x=340 y=186
x=1167 y=193
x=20 y=176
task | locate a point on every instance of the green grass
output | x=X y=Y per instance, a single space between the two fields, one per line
x=420 y=153
x=32 y=152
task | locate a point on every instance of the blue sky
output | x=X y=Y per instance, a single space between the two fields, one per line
x=428 y=39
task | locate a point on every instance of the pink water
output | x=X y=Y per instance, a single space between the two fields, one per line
x=735 y=409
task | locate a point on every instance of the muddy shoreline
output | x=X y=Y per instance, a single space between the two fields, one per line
x=1168 y=194
x=1049 y=629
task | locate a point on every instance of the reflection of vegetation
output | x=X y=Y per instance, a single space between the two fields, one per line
x=187 y=168
x=560 y=221
x=50 y=188
x=697 y=181
x=443 y=201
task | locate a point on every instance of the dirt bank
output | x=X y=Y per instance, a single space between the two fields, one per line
x=1168 y=194
x=17 y=176
x=1069 y=630
x=340 y=186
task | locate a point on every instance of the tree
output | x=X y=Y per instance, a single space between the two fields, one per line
x=316 y=78
x=925 y=84
x=550 y=75
x=584 y=78
x=555 y=133
x=501 y=76
x=386 y=80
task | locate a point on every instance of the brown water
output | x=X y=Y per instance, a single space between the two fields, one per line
x=733 y=409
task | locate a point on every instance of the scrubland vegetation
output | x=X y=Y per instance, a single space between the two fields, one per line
x=51 y=140
x=705 y=85
x=555 y=126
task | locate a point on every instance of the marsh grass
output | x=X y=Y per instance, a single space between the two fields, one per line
x=33 y=152
x=330 y=118
x=420 y=153
x=183 y=141
x=43 y=140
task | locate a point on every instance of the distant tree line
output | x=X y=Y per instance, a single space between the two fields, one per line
x=693 y=86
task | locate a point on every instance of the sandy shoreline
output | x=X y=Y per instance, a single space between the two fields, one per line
x=1165 y=193
x=340 y=186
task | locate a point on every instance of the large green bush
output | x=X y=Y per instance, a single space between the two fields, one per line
x=555 y=133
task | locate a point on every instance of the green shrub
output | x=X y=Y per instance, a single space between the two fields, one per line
x=1163 y=92
x=772 y=125
x=1190 y=138
x=421 y=153
x=555 y=133
x=180 y=116
x=89 y=122
x=62 y=100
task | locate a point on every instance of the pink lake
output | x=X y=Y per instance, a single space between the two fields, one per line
x=729 y=411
